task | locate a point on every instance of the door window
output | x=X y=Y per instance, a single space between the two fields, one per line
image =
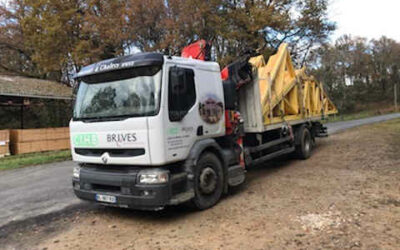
x=181 y=92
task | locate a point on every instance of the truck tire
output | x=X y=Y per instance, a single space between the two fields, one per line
x=208 y=181
x=304 y=146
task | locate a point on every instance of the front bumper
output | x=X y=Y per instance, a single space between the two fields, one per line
x=121 y=183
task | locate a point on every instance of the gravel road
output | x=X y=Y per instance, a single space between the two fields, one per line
x=38 y=190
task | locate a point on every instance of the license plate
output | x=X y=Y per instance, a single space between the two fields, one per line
x=106 y=198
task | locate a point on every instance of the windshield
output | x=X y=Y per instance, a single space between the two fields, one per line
x=128 y=93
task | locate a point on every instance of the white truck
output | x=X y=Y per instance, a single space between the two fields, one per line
x=150 y=130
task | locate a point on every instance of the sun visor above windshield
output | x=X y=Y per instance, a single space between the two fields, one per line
x=119 y=63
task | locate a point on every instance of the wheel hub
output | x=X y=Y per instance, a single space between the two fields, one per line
x=307 y=144
x=208 y=180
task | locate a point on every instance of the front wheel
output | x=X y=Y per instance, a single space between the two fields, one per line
x=208 y=181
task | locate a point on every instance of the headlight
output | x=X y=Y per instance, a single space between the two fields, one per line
x=76 y=172
x=153 y=177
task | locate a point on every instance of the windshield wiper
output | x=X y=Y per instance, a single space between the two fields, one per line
x=110 y=118
x=101 y=118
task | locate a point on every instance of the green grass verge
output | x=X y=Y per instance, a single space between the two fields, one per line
x=355 y=116
x=18 y=161
x=392 y=129
x=391 y=126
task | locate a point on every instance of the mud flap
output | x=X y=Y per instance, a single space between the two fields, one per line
x=236 y=175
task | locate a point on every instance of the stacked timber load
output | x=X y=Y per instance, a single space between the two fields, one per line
x=282 y=94
x=39 y=140
x=4 y=143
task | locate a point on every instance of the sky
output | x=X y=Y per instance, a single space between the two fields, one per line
x=366 y=18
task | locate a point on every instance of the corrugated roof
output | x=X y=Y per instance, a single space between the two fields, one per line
x=34 y=88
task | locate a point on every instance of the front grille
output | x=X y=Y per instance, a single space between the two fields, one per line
x=97 y=152
x=105 y=188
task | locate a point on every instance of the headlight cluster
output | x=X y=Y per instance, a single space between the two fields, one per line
x=153 y=177
x=76 y=172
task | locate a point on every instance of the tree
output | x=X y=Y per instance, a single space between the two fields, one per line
x=51 y=30
x=103 y=31
x=15 y=56
x=57 y=37
x=359 y=71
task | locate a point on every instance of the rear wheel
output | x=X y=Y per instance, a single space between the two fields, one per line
x=304 y=146
x=208 y=185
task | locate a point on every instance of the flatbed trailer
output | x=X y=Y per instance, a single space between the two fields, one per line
x=277 y=105
x=281 y=95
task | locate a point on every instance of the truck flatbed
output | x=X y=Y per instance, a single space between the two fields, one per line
x=280 y=95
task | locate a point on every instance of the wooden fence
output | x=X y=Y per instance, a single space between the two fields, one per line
x=24 y=141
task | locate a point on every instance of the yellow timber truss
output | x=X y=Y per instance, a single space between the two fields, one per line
x=288 y=94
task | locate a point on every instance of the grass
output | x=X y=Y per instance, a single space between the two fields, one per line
x=392 y=129
x=391 y=126
x=356 y=116
x=18 y=161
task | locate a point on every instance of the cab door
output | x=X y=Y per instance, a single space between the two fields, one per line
x=182 y=119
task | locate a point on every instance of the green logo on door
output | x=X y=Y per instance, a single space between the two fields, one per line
x=85 y=140
x=173 y=131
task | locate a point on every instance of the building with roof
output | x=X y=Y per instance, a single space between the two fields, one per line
x=24 y=87
x=20 y=92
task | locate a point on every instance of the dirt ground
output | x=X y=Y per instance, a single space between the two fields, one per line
x=347 y=196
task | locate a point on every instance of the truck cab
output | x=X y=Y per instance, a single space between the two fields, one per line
x=140 y=125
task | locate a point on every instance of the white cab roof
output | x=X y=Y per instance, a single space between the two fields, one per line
x=199 y=64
